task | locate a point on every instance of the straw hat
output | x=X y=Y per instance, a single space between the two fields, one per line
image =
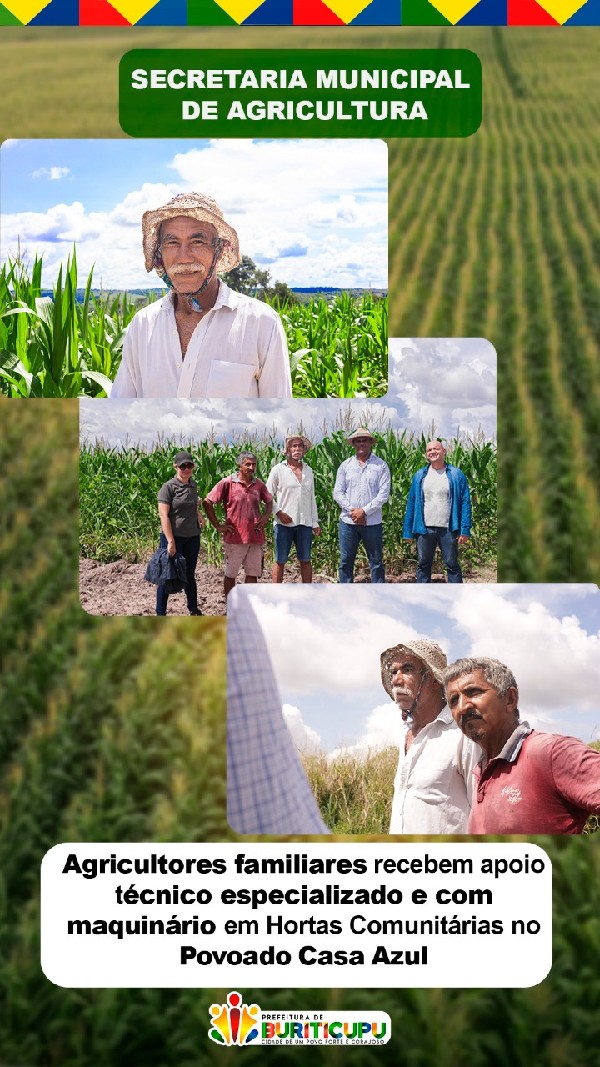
x=361 y=432
x=297 y=437
x=193 y=206
x=427 y=651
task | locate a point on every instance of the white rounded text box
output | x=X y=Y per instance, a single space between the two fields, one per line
x=296 y=915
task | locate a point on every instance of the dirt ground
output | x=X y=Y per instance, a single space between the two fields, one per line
x=119 y=588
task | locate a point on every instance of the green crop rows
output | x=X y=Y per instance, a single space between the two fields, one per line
x=499 y=236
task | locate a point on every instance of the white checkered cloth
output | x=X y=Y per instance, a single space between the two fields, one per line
x=267 y=790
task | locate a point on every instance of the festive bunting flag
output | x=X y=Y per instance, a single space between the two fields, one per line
x=239 y=12
x=300 y=12
x=454 y=12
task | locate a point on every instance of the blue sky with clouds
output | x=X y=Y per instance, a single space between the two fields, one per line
x=311 y=212
x=548 y=634
x=448 y=384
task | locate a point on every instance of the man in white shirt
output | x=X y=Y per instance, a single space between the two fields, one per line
x=202 y=339
x=292 y=484
x=433 y=784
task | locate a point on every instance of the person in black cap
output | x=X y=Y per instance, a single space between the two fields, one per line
x=181 y=521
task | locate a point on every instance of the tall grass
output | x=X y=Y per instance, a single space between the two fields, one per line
x=118 y=488
x=62 y=347
x=354 y=794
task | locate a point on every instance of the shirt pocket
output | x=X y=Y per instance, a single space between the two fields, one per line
x=231 y=379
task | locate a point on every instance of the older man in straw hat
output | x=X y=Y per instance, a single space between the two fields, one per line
x=202 y=339
x=362 y=487
x=293 y=485
x=433 y=784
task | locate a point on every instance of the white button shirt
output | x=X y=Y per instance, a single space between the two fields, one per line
x=434 y=780
x=238 y=349
x=295 y=498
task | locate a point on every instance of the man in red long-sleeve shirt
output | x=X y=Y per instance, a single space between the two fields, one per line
x=527 y=782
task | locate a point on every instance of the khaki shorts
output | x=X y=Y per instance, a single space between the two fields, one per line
x=248 y=556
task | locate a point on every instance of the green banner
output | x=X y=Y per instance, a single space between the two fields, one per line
x=293 y=93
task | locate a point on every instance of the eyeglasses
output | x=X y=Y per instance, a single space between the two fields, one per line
x=185 y=466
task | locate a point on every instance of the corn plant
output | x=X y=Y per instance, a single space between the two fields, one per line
x=57 y=346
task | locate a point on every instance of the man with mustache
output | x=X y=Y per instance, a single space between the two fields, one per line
x=243 y=530
x=527 y=782
x=202 y=339
x=432 y=788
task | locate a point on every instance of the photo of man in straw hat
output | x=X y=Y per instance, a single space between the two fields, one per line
x=202 y=339
x=433 y=783
x=292 y=484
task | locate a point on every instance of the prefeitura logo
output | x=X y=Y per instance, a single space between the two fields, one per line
x=236 y=1023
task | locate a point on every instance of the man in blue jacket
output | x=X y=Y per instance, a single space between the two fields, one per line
x=438 y=513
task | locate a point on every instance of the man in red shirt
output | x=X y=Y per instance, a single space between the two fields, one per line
x=527 y=782
x=243 y=531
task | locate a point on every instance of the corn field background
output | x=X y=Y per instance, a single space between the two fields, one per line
x=62 y=346
x=118 y=490
x=114 y=730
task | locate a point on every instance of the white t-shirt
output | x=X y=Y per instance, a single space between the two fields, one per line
x=436 y=493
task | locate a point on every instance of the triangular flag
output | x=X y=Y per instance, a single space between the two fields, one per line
x=99 y=13
x=314 y=13
x=422 y=13
x=208 y=13
x=272 y=13
x=528 y=13
x=486 y=13
x=379 y=13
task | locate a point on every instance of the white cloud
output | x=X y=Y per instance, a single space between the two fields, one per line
x=449 y=383
x=341 y=641
x=383 y=728
x=305 y=739
x=54 y=174
x=555 y=660
x=145 y=421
